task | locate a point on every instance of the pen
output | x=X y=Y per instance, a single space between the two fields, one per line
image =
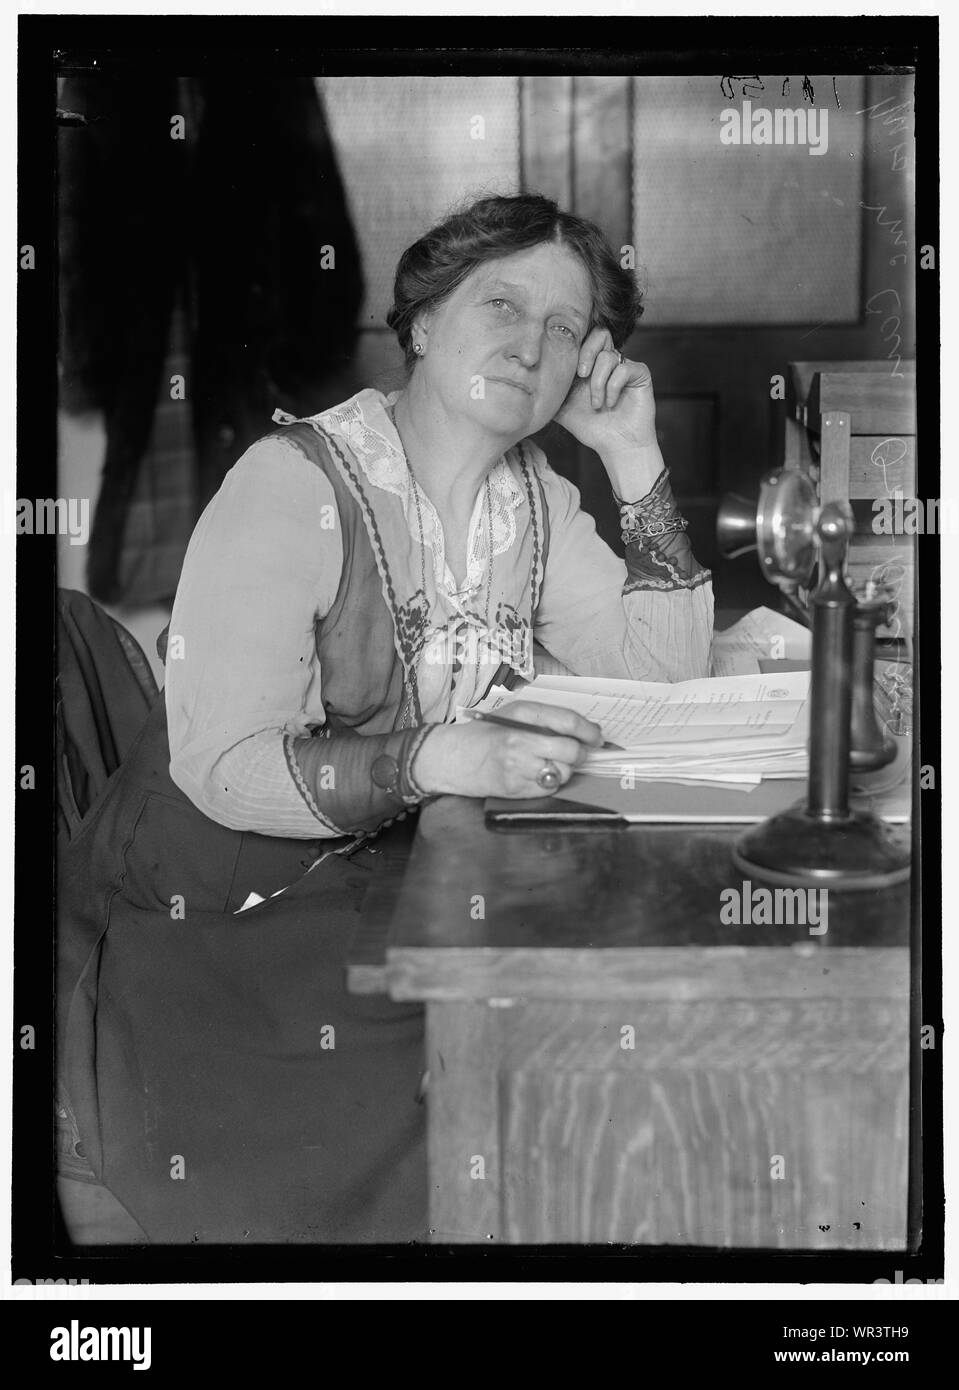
x=525 y=727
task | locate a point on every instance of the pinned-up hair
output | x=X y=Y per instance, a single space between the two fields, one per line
x=490 y=228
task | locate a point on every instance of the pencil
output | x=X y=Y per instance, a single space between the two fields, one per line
x=526 y=728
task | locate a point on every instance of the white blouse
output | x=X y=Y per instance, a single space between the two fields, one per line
x=264 y=565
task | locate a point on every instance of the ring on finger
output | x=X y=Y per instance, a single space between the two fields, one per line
x=549 y=777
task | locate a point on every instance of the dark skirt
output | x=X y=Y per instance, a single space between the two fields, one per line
x=226 y=1087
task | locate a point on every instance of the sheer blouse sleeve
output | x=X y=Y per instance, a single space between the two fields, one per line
x=648 y=616
x=248 y=744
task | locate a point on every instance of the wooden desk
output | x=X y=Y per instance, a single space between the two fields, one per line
x=620 y=1065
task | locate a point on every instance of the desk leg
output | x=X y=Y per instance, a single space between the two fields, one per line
x=462 y=1040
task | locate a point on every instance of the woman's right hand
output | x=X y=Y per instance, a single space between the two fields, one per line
x=480 y=759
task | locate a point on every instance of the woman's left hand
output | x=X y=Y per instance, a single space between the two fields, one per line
x=610 y=406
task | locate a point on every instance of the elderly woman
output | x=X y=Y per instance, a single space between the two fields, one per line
x=360 y=574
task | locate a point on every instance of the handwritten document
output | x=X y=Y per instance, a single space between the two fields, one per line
x=732 y=729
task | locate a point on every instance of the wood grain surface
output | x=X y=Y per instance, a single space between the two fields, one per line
x=603 y=911
x=728 y=1124
x=610 y=1062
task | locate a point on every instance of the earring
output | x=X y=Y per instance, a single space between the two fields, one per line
x=418 y=349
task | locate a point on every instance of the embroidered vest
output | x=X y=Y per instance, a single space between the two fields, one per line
x=369 y=642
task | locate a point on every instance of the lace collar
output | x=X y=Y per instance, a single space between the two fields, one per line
x=364 y=422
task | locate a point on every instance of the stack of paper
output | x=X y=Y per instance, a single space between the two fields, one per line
x=732 y=730
x=761 y=636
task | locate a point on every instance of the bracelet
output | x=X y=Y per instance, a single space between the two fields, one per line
x=652 y=516
x=395 y=774
x=412 y=748
x=635 y=534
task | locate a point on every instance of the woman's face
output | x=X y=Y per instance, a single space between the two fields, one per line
x=504 y=348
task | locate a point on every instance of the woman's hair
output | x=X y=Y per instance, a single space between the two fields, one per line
x=433 y=267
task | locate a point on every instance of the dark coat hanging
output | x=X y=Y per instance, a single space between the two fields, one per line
x=221 y=194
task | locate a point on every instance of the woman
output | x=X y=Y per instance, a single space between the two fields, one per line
x=360 y=575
